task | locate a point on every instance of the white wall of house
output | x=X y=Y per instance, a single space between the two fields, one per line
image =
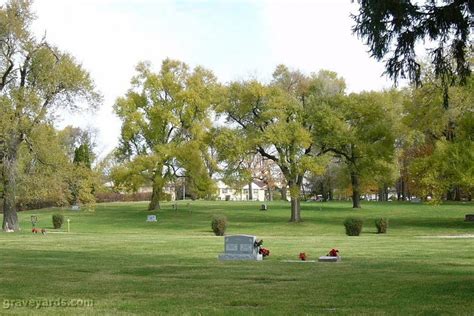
x=224 y=192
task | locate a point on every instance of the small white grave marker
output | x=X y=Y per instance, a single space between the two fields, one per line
x=151 y=218
x=329 y=259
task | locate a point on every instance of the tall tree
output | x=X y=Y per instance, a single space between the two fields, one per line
x=165 y=120
x=441 y=137
x=276 y=121
x=35 y=78
x=83 y=155
x=359 y=130
x=392 y=29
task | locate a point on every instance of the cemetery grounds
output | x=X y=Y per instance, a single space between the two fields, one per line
x=114 y=262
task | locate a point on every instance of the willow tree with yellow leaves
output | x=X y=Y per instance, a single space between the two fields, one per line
x=165 y=118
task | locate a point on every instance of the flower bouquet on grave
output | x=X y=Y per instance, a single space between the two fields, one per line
x=264 y=252
x=333 y=253
x=302 y=256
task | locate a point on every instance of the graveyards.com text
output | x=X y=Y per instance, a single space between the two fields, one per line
x=60 y=302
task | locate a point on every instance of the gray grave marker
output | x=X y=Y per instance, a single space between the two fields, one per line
x=240 y=247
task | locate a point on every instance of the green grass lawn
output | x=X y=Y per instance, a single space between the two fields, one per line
x=127 y=266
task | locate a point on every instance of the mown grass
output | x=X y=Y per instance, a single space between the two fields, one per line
x=128 y=266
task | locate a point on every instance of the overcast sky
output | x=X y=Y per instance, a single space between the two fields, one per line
x=235 y=39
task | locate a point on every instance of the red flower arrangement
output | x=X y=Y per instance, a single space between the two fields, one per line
x=333 y=253
x=264 y=252
x=38 y=230
x=302 y=256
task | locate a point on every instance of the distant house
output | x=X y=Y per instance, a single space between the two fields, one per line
x=226 y=193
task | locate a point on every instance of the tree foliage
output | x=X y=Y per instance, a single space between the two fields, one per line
x=359 y=129
x=440 y=140
x=392 y=29
x=165 y=122
x=276 y=121
x=35 y=79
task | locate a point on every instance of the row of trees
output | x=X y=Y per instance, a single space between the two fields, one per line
x=298 y=125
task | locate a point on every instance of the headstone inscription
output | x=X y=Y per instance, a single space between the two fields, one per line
x=240 y=247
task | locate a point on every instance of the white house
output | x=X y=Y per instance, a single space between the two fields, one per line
x=226 y=193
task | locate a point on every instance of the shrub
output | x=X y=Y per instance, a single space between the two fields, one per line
x=58 y=221
x=382 y=225
x=353 y=226
x=219 y=224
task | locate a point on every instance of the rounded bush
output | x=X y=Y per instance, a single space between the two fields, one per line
x=58 y=221
x=219 y=225
x=353 y=226
x=382 y=225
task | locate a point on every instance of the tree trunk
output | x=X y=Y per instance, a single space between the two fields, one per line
x=399 y=189
x=355 y=190
x=270 y=194
x=10 y=217
x=404 y=191
x=284 y=195
x=155 y=196
x=383 y=193
x=295 y=194
x=250 y=192
x=457 y=194
x=450 y=195
x=295 y=209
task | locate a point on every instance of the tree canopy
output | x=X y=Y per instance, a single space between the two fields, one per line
x=35 y=79
x=276 y=120
x=165 y=122
x=393 y=29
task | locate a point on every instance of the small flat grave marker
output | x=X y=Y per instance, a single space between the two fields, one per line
x=151 y=218
x=329 y=259
x=240 y=247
